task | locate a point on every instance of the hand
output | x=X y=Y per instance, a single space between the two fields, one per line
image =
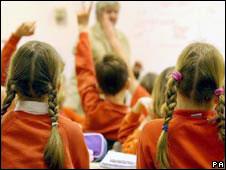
x=83 y=16
x=144 y=102
x=107 y=26
x=25 y=29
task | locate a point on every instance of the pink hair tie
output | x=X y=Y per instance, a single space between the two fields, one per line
x=177 y=76
x=219 y=91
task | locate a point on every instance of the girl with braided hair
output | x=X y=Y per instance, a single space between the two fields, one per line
x=192 y=134
x=34 y=135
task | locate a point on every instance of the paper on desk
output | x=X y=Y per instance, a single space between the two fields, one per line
x=118 y=160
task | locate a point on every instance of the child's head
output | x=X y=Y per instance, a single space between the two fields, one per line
x=112 y=75
x=34 y=75
x=159 y=89
x=199 y=73
x=148 y=81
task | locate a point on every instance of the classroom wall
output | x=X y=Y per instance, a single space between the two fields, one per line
x=157 y=31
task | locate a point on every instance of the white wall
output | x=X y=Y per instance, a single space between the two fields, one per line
x=157 y=31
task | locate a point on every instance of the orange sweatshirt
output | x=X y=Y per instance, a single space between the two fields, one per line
x=24 y=137
x=131 y=142
x=7 y=52
x=101 y=116
x=129 y=124
x=139 y=92
x=69 y=113
x=192 y=141
x=132 y=120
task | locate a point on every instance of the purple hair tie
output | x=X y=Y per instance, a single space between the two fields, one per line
x=219 y=91
x=177 y=76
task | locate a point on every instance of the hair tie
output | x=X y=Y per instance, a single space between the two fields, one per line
x=219 y=91
x=177 y=76
x=165 y=127
x=54 y=124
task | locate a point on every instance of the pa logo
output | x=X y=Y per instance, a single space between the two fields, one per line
x=217 y=164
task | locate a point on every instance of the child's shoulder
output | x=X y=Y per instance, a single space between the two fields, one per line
x=7 y=117
x=69 y=126
x=153 y=128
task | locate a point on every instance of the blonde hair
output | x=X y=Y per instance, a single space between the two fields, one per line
x=159 y=91
x=100 y=6
x=33 y=74
x=202 y=68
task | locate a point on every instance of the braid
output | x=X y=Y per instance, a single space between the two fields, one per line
x=52 y=102
x=167 y=110
x=54 y=152
x=221 y=117
x=10 y=95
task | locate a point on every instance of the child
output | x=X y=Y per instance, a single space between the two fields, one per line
x=28 y=29
x=134 y=122
x=188 y=137
x=25 y=29
x=34 y=135
x=102 y=115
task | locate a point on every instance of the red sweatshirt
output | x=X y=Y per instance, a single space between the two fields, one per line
x=102 y=116
x=24 y=137
x=192 y=141
x=7 y=52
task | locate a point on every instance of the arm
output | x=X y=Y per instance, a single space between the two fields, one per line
x=86 y=78
x=139 y=92
x=118 y=49
x=25 y=29
x=133 y=119
x=7 y=53
x=128 y=125
x=130 y=144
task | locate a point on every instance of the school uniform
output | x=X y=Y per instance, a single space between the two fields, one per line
x=101 y=115
x=129 y=124
x=192 y=141
x=25 y=132
x=72 y=115
x=132 y=120
x=7 y=52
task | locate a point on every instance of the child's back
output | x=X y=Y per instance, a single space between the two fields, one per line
x=25 y=135
x=34 y=135
x=193 y=143
x=192 y=133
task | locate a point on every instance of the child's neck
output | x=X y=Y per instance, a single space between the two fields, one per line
x=187 y=104
x=42 y=99
x=117 y=99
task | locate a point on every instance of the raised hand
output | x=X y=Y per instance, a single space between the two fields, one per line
x=144 y=102
x=107 y=26
x=25 y=29
x=83 y=15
